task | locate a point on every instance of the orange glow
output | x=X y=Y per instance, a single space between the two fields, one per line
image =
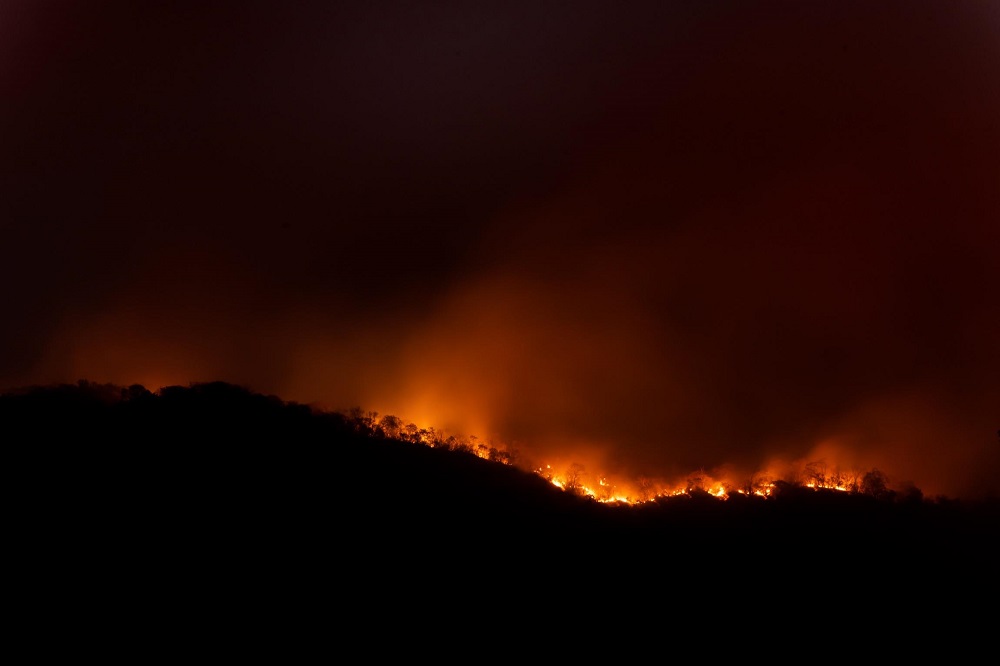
x=719 y=487
x=782 y=271
x=815 y=474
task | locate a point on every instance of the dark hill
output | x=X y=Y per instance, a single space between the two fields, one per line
x=216 y=472
x=217 y=447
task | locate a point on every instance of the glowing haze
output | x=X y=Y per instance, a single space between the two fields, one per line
x=676 y=238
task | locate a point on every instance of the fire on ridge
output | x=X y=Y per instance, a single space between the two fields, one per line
x=574 y=477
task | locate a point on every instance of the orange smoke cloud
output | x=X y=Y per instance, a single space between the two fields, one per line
x=733 y=245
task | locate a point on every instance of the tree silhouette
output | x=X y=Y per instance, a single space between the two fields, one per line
x=875 y=484
x=391 y=426
x=573 y=482
x=816 y=472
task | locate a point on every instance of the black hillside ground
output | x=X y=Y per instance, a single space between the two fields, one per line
x=213 y=482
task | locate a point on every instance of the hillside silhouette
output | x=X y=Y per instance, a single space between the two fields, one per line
x=221 y=467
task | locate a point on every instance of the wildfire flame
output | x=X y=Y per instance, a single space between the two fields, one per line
x=816 y=475
x=606 y=492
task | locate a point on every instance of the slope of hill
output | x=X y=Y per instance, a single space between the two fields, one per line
x=217 y=465
x=222 y=456
x=210 y=512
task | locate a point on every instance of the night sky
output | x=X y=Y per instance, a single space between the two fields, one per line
x=646 y=237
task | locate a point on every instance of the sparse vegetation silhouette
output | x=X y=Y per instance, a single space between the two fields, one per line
x=220 y=454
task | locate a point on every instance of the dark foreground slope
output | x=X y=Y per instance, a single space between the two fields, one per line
x=214 y=471
x=212 y=516
x=220 y=455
